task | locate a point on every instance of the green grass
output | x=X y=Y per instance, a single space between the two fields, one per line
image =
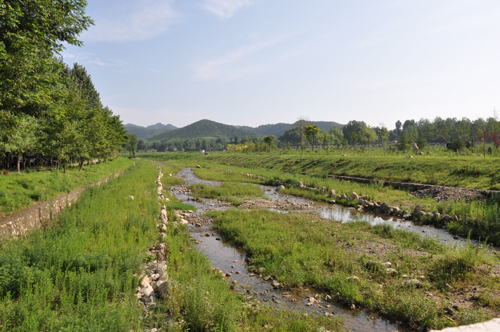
x=80 y=273
x=235 y=193
x=302 y=250
x=173 y=180
x=462 y=171
x=22 y=190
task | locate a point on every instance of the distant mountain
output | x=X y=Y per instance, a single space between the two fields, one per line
x=161 y=126
x=146 y=132
x=279 y=128
x=205 y=128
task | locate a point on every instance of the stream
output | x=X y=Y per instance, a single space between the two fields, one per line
x=230 y=260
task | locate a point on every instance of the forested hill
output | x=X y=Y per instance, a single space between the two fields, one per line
x=149 y=131
x=206 y=129
x=279 y=128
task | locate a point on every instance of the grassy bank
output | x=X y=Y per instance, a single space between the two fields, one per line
x=346 y=262
x=468 y=172
x=79 y=274
x=22 y=190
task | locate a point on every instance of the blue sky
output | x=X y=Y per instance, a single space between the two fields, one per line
x=253 y=62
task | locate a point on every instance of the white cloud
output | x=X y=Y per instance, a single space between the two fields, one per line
x=88 y=58
x=225 y=8
x=232 y=65
x=132 y=20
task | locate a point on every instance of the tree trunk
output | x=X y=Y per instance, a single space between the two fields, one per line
x=81 y=163
x=58 y=163
x=19 y=163
x=65 y=166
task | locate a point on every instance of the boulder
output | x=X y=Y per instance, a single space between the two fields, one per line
x=445 y=218
x=331 y=201
x=332 y=192
x=322 y=190
x=146 y=291
x=161 y=269
x=385 y=208
x=354 y=196
x=280 y=187
x=361 y=202
x=417 y=210
x=162 y=287
x=343 y=196
x=275 y=284
x=198 y=166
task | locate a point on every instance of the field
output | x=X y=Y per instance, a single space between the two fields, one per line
x=22 y=190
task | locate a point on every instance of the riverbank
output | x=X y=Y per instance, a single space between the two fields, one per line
x=23 y=190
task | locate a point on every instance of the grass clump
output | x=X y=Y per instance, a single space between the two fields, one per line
x=235 y=193
x=347 y=262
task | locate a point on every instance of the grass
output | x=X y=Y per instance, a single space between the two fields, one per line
x=22 y=190
x=235 y=193
x=300 y=249
x=80 y=273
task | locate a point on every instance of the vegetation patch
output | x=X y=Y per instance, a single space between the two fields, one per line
x=395 y=272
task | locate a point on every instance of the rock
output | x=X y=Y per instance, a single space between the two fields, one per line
x=198 y=166
x=449 y=311
x=387 y=264
x=145 y=282
x=417 y=210
x=299 y=184
x=275 y=284
x=311 y=300
x=267 y=278
x=331 y=201
x=413 y=282
x=353 y=278
x=146 y=291
x=332 y=192
x=391 y=271
x=170 y=175
x=396 y=211
x=353 y=306
x=280 y=187
x=161 y=270
x=385 y=208
x=407 y=216
x=343 y=196
x=445 y=218
x=328 y=298
x=322 y=190
x=354 y=196
x=455 y=217
x=262 y=270
x=361 y=202
x=162 y=287
x=437 y=215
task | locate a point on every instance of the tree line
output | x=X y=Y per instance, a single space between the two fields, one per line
x=455 y=133
x=49 y=112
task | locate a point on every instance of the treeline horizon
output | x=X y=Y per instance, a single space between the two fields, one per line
x=457 y=134
x=50 y=113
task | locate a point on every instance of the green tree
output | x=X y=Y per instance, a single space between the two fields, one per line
x=404 y=142
x=31 y=31
x=23 y=138
x=269 y=140
x=311 y=131
x=132 y=144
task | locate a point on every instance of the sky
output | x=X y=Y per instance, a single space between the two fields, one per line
x=254 y=62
